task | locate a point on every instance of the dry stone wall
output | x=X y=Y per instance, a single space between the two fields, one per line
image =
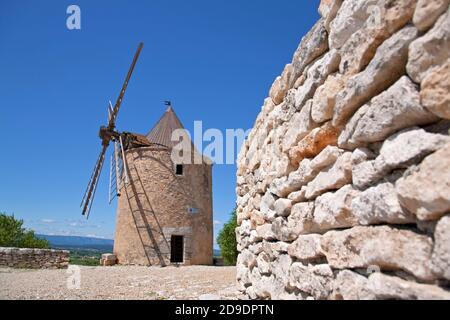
x=344 y=182
x=34 y=258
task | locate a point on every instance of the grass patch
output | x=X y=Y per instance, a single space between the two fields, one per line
x=84 y=258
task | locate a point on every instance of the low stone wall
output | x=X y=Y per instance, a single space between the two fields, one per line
x=344 y=183
x=34 y=258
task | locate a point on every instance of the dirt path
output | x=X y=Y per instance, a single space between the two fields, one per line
x=120 y=282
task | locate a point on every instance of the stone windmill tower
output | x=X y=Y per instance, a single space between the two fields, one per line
x=164 y=213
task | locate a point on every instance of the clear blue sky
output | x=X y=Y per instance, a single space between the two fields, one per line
x=215 y=59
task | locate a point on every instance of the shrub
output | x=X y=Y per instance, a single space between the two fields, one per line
x=12 y=234
x=227 y=241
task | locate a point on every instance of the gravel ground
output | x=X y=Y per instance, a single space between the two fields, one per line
x=121 y=282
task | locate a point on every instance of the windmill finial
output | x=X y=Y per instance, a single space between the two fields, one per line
x=169 y=105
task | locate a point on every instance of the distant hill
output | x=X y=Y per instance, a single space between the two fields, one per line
x=86 y=243
x=82 y=243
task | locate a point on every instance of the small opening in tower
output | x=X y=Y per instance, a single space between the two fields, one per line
x=177 y=249
x=179 y=170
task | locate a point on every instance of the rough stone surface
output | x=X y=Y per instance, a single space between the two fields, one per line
x=435 y=91
x=386 y=68
x=395 y=109
x=328 y=10
x=400 y=151
x=300 y=125
x=306 y=247
x=337 y=176
x=441 y=252
x=427 y=12
x=316 y=141
x=430 y=50
x=351 y=17
x=34 y=258
x=385 y=19
x=283 y=207
x=316 y=281
x=346 y=171
x=333 y=210
x=349 y=285
x=392 y=288
x=312 y=46
x=301 y=219
x=385 y=247
x=380 y=204
x=281 y=86
x=325 y=98
x=425 y=191
x=316 y=76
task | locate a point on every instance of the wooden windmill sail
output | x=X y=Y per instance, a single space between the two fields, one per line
x=108 y=134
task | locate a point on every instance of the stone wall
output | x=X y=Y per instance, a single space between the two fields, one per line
x=34 y=258
x=344 y=183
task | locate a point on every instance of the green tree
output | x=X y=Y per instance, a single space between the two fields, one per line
x=227 y=241
x=12 y=234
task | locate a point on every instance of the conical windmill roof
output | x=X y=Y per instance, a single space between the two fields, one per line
x=161 y=134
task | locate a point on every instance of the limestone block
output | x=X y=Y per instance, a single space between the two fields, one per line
x=299 y=126
x=324 y=98
x=387 y=66
x=384 y=20
x=263 y=263
x=316 y=76
x=380 y=204
x=333 y=210
x=350 y=285
x=326 y=158
x=298 y=196
x=425 y=191
x=306 y=248
x=247 y=259
x=430 y=50
x=328 y=10
x=281 y=266
x=395 y=109
x=315 y=280
x=383 y=246
x=403 y=149
x=283 y=186
x=109 y=257
x=441 y=253
x=314 y=143
x=256 y=219
x=435 y=91
x=301 y=220
x=312 y=46
x=265 y=232
x=267 y=206
x=337 y=176
x=427 y=12
x=283 y=207
x=282 y=231
x=385 y=287
x=351 y=16
x=281 y=85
